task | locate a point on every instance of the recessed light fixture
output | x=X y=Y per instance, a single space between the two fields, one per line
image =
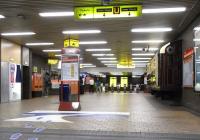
x=147 y=30
x=147 y=41
x=141 y=49
x=143 y=54
x=98 y=50
x=141 y=58
x=196 y=39
x=56 y=14
x=108 y=61
x=2 y=16
x=40 y=44
x=102 y=54
x=197 y=28
x=92 y=42
x=164 y=10
x=52 y=50
x=17 y=33
x=81 y=32
x=107 y=58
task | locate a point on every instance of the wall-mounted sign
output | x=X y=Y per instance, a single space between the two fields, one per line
x=187 y=55
x=74 y=43
x=52 y=61
x=35 y=69
x=108 y=11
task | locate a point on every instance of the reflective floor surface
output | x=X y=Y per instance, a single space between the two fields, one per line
x=137 y=115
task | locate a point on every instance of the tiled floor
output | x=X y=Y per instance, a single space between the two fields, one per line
x=147 y=114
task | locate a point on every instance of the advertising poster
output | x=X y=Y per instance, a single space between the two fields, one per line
x=124 y=81
x=188 y=68
x=70 y=67
x=113 y=81
x=14 y=82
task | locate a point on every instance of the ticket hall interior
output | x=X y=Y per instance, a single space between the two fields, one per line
x=100 y=69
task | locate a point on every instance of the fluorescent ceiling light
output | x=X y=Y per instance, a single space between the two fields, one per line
x=140 y=61
x=102 y=54
x=92 y=42
x=81 y=32
x=164 y=10
x=141 y=49
x=196 y=39
x=56 y=14
x=147 y=41
x=58 y=55
x=109 y=61
x=146 y=30
x=110 y=64
x=107 y=58
x=143 y=54
x=18 y=34
x=197 y=28
x=142 y=58
x=97 y=50
x=140 y=66
x=1 y=16
x=51 y=50
x=125 y=66
x=87 y=66
x=40 y=44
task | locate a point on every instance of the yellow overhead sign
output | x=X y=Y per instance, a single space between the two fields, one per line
x=108 y=11
x=52 y=61
x=71 y=43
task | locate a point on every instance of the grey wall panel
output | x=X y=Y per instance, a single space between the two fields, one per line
x=190 y=99
x=4 y=82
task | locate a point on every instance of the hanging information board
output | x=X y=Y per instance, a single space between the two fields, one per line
x=108 y=12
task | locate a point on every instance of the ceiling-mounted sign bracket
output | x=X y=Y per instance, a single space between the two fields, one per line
x=96 y=12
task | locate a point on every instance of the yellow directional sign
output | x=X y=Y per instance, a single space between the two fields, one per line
x=108 y=11
x=52 y=61
x=71 y=43
x=51 y=54
x=83 y=12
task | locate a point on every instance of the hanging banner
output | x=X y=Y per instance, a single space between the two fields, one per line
x=108 y=12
